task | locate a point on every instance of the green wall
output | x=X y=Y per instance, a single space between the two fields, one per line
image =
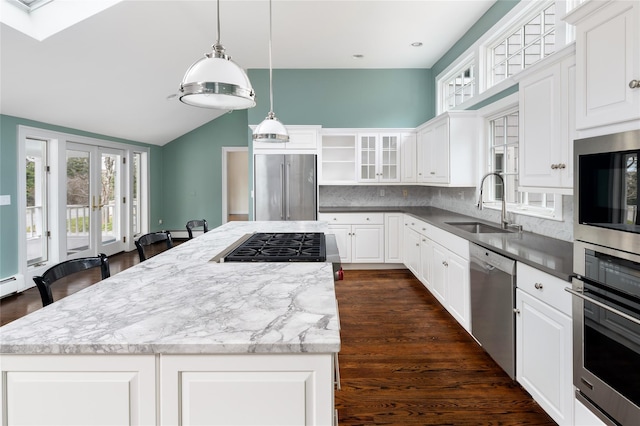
x=192 y=164
x=9 y=232
x=339 y=98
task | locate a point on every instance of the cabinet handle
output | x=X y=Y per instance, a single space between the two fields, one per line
x=445 y=263
x=516 y=311
x=562 y=166
x=419 y=174
x=554 y=166
x=433 y=173
x=634 y=84
x=417 y=245
x=367 y=218
x=538 y=286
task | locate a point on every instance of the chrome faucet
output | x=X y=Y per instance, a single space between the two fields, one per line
x=504 y=222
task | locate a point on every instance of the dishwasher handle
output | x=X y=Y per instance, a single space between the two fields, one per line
x=490 y=260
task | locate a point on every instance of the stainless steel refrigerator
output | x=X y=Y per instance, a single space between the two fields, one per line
x=285 y=187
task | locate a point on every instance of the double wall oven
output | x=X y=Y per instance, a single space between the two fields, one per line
x=606 y=289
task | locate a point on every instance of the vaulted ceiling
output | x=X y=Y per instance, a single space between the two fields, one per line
x=112 y=73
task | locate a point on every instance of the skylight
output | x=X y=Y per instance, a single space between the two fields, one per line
x=30 y=18
x=31 y=5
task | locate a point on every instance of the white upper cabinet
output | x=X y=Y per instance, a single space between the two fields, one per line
x=608 y=62
x=547 y=124
x=378 y=157
x=408 y=165
x=446 y=149
x=337 y=159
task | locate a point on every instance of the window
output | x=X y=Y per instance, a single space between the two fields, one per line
x=524 y=46
x=36 y=196
x=458 y=86
x=504 y=159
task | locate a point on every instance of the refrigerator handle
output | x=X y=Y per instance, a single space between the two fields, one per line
x=282 y=180
x=286 y=189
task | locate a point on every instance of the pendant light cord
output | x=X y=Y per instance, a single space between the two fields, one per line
x=218 y=16
x=270 y=64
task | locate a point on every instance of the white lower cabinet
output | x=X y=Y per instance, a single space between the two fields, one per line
x=450 y=283
x=78 y=390
x=393 y=237
x=544 y=342
x=444 y=272
x=246 y=390
x=426 y=261
x=412 y=250
x=360 y=236
x=439 y=273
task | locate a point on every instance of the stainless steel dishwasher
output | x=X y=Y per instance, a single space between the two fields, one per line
x=493 y=287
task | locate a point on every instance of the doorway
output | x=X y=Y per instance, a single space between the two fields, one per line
x=94 y=211
x=235 y=184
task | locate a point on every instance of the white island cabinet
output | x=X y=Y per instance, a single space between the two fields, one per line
x=179 y=339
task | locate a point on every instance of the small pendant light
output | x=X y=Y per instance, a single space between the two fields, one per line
x=270 y=130
x=215 y=81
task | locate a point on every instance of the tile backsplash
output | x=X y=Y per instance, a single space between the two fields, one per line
x=459 y=200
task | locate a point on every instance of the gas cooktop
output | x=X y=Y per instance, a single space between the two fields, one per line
x=280 y=247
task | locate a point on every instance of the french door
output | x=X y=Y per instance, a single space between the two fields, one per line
x=95 y=193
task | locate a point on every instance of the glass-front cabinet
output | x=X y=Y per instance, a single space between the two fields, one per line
x=378 y=157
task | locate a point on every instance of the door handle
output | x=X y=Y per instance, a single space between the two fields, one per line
x=95 y=206
x=580 y=294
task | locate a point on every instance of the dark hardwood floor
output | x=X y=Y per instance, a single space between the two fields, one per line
x=404 y=359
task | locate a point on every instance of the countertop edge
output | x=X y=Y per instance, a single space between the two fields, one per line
x=563 y=274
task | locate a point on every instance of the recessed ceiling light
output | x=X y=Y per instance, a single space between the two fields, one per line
x=358 y=56
x=416 y=44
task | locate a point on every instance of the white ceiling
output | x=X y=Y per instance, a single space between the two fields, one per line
x=112 y=72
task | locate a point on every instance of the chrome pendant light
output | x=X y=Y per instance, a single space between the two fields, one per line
x=215 y=81
x=271 y=129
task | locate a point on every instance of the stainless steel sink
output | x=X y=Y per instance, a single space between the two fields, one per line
x=477 y=227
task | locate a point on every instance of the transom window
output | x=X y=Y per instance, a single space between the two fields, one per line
x=524 y=46
x=459 y=87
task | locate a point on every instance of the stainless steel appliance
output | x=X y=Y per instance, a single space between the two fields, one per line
x=605 y=191
x=285 y=187
x=492 y=290
x=606 y=332
x=606 y=289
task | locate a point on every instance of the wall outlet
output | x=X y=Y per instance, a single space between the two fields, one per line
x=382 y=192
x=5 y=200
x=405 y=192
x=159 y=221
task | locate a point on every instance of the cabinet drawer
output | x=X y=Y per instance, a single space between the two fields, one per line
x=544 y=287
x=352 y=218
x=421 y=227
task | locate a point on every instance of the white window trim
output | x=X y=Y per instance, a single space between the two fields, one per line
x=497 y=109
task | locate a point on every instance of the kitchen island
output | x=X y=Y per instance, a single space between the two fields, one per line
x=179 y=339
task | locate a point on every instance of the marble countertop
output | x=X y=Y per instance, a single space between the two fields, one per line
x=547 y=254
x=179 y=302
